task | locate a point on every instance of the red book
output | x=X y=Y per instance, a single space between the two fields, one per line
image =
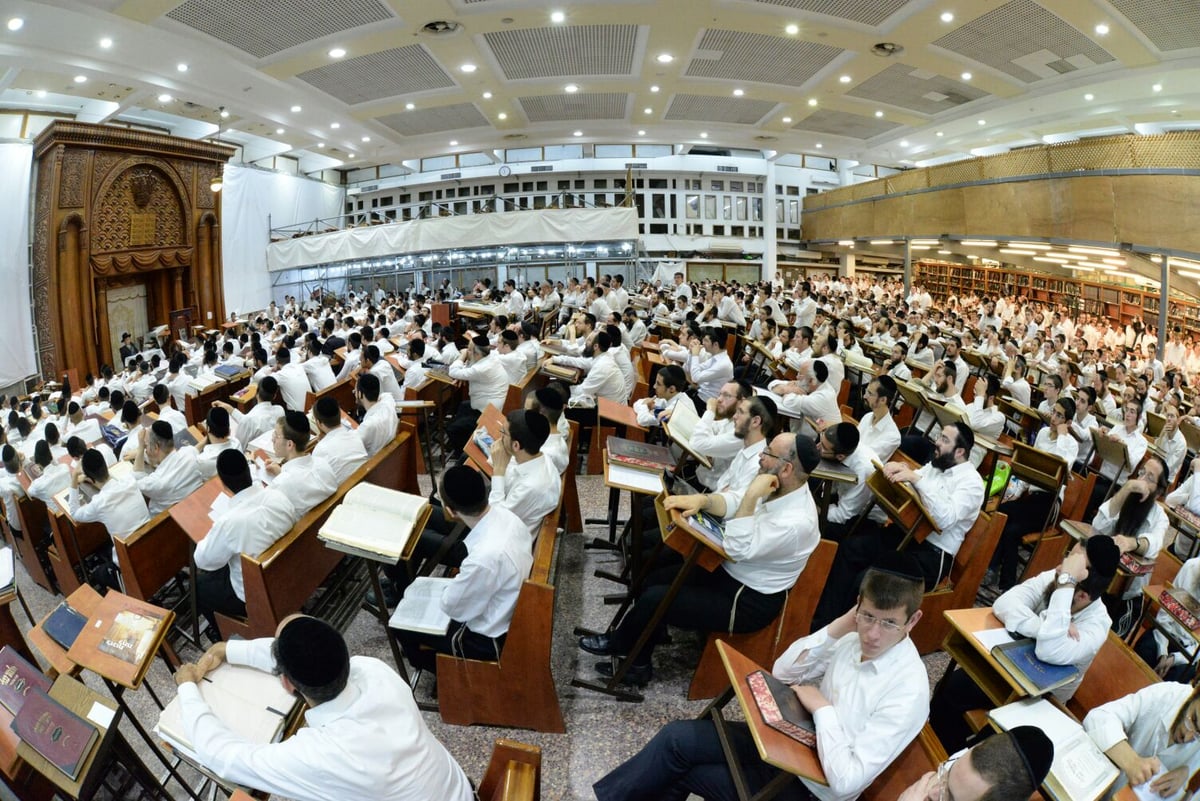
x=640 y=455
x=1136 y=566
x=55 y=732
x=17 y=679
x=1181 y=606
x=781 y=709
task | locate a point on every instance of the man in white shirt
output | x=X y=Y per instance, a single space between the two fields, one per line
x=487 y=382
x=877 y=430
x=840 y=443
x=165 y=474
x=162 y=397
x=98 y=498
x=670 y=387
x=515 y=301
x=1061 y=609
x=481 y=599
x=603 y=380
x=54 y=478
x=379 y=422
x=339 y=445
x=812 y=395
x=513 y=360
x=252 y=521
x=261 y=417
x=317 y=368
x=306 y=480
x=713 y=435
x=768 y=537
x=216 y=439
x=860 y=678
x=1008 y=764
x=709 y=366
x=382 y=369
x=11 y=492
x=524 y=480
x=360 y=713
x=618 y=297
x=293 y=381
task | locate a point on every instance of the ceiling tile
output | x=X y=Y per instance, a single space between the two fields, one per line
x=581 y=106
x=738 y=56
x=432 y=120
x=376 y=75
x=868 y=12
x=1170 y=26
x=903 y=86
x=573 y=50
x=705 y=108
x=842 y=123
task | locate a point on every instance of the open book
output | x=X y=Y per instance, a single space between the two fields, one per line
x=1080 y=771
x=250 y=702
x=680 y=427
x=376 y=522
x=421 y=607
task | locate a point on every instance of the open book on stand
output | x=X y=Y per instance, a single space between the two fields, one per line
x=421 y=607
x=376 y=522
x=680 y=427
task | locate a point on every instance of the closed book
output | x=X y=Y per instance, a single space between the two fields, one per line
x=781 y=709
x=1181 y=606
x=184 y=438
x=64 y=624
x=640 y=455
x=229 y=370
x=1136 y=566
x=61 y=736
x=17 y=679
x=707 y=526
x=130 y=636
x=1032 y=674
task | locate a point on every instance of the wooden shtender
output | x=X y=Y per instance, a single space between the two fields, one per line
x=86 y=652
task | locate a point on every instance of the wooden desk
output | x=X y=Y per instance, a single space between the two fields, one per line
x=1150 y=606
x=775 y=748
x=492 y=421
x=86 y=652
x=637 y=483
x=245 y=398
x=84 y=600
x=76 y=697
x=192 y=512
x=624 y=422
x=974 y=659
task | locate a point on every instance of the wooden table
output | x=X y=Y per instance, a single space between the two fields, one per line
x=77 y=698
x=975 y=660
x=84 y=601
x=632 y=535
x=624 y=422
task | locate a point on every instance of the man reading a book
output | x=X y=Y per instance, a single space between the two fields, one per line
x=365 y=739
x=860 y=678
x=1007 y=766
x=1061 y=610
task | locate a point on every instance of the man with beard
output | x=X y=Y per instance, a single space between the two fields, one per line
x=714 y=437
x=952 y=491
x=769 y=536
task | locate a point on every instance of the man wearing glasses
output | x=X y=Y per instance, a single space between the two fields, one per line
x=860 y=677
x=1007 y=765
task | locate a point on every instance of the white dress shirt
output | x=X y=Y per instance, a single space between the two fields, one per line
x=53 y=480
x=250 y=524
x=256 y=422
x=319 y=373
x=487 y=381
x=820 y=404
x=514 y=365
x=953 y=498
x=529 y=490
x=379 y=424
x=555 y=449
x=11 y=492
x=293 y=385
x=1136 y=446
x=118 y=506
x=176 y=477
x=988 y=421
x=175 y=417
x=368 y=744
x=388 y=385
x=206 y=460
x=882 y=436
x=715 y=439
x=1175 y=450
x=736 y=479
x=1153 y=529
x=853 y=499
x=306 y=481
x=709 y=372
x=1024 y=610
x=603 y=380
x=877 y=706
x=769 y=549
x=483 y=595
x=344 y=451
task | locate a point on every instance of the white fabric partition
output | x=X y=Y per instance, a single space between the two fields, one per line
x=251 y=202
x=445 y=233
x=17 y=360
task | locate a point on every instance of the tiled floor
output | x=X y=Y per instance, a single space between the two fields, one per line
x=601 y=732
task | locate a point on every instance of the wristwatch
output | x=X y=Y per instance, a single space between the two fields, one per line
x=1066 y=580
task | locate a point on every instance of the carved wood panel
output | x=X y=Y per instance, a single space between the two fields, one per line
x=139 y=209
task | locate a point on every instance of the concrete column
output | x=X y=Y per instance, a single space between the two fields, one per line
x=1164 y=276
x=846 y=268
x=907 y=266
x=770 y=235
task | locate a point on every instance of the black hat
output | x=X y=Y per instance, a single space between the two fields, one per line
x=327 y=408
x=297 y=421
x=162 y=429
x=462 y=487
x=231 y=464
x=899 y=563
x=218 y=418
x=549 y=397
x=538 y=425
x=310 y=651
x=1035 y=749
x=1103 y=555
x=807 y=453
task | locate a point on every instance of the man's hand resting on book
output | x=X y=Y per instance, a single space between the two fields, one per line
x=686 y=504
x=1168 y=784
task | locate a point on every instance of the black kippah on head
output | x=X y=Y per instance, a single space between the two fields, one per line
x=1036 y=751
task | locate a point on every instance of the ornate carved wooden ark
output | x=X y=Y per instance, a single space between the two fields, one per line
x=126 y=229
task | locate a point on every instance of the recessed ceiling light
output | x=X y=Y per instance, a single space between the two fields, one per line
x=106 y=42
x=487 y=95
x=558 y=16
x=654 y=89
x=812 y=101
x=983 y=122
x=844 y=79
x=296 y=109
x=453 y=143
x=571 y=88
x=665 y=58
x=787 y=120
x=337 y=52
x=878 y=113
x=577 y=133
x=16 y=23
x=40 y=93
x=819 y=145
x=641 y=133
x=80 y=78
x=966 y=76
x=1089 y=96
x=468 y=67
x=903 y=143
x=224 y=114
x=335 y=125
x=366 y=139
x=947 y=16
x=792 y=30
x=351 y=155
x=321 y=145
x=940 y=133
x=703 y=134
x=163 y=98
x=410 y=106
x=1157 y=87
x=502 y=115
x=1102 y=29
x=648 y=110
x=278 y=130
x=181 y=67
x=739 y=92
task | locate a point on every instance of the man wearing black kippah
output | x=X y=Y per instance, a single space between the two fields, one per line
x=365 y=739
x=1006 y=766
x=165 y=474
x=340 y=446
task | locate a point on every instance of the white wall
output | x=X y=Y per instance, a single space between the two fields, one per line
x=16 y=346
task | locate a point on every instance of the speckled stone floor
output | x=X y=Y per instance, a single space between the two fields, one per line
x=601 y=732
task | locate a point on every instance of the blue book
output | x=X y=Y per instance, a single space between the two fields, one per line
x=1032 y=674
x=64 y=624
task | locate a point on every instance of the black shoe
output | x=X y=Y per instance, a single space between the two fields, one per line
x=598 y=644
x=636 y=676
x=390 y=597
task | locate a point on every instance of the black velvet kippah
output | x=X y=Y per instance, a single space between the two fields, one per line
x=311 y=652
x=1036 y=750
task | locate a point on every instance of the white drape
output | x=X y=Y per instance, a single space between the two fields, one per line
x=17 y=359
x=465 y=231
x=251 y=201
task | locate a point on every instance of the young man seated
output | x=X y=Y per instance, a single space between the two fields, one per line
x=1061 y=609
x=1006 y=766
x=862 y=680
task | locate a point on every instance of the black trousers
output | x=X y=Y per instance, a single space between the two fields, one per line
x=422 y=649
x=460 y=429
x=1147 y=648
x=713 y=601
x=956 y=694
x=1026 y=515
x=214 y=593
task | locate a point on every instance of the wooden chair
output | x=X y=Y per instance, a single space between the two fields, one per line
x=572 y=513
x=1050 y=545
x=921 y=756
x=515 y=399
x=1115 y=672
x=764 y=645
x=342 y=391
x=518 y=691
x=513 y=774
x=33 y=516
x=960 y=589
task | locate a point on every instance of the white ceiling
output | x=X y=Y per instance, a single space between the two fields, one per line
x=1038 y=71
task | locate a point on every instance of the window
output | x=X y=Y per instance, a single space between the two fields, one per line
x=658 y=183
x=779 y=217
x=543 y=186
x=600 y=183
x=512 y=188
x=692 y=207
x=710 y=207
x=756 y=209
x=523 y=154
x=738 y=230
x=694 y=183
x=726 y=207
x=438 y=163
x=793 y=191
x=736 y=186
x=718 y=230
x=564 y=184
x=717 y=186
x=614 y=151
x=474 y=160
x=794 y=212
x=563 y=152
x=654 y=151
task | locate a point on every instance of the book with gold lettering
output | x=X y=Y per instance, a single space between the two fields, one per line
x=18 y=679
x=61 y=736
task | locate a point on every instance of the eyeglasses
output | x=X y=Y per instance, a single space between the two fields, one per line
x=773 y=456
x=890 y=626
x=943 y=778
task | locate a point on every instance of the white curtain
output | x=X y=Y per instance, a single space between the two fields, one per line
x=17 y=359
x=251 y=202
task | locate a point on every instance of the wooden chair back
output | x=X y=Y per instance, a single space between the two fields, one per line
x=921 y=756
x=1115 y=672
x=513 y=774
x=342 y=391
x=1043 y=470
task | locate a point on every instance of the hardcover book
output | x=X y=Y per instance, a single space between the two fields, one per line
x=421 y=607
x=1032 y=674
x=376 y=522
x=681 y=426
x=17 y=679
x=781 y=709
x=64 y=624
x=1136 y=566
x=640 y=455
x=61 y=736
x=130 y=636
x=1181 y=606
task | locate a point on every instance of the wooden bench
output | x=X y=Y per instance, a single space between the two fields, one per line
x=283 y=578
x=518 y=691
x=765 y=646
x=196 y=406
x=921 y=756
x=513 y=774
x=1115 y=672
x=341 y=391
x=72 y=542
x=515 y=399
x=33 y=516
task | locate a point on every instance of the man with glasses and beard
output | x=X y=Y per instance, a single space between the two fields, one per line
x=1008 y=765
x=862 y=680
x=770 y=531
x=952 y=491
x=714 y=436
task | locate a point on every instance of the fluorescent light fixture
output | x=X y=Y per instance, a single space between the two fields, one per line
x=1188 y=273
x=1102 y=29
x=1019 y=252
x=164 y=98
x=577 y=133
x=296 y=109
x=335 y=125
x=966 y=76
x=654 y=89
x=812 y=101
x=882 y=242
x=926 y=242
x=1095 y=251
x=487 y=95
x=980 y=243
x=181 y=67
x=845 y=79
x=878 y=113
x=1050 y=259
x=919 y=247
x=278 y=131
x=1115 y=262
x=786 y=120
x=571 y=88
x=410 y=106
x=846 y=243
x=80 y=79
x=944 y=252
x=1030 y=245
x=1080 y=268
x=502 y=116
